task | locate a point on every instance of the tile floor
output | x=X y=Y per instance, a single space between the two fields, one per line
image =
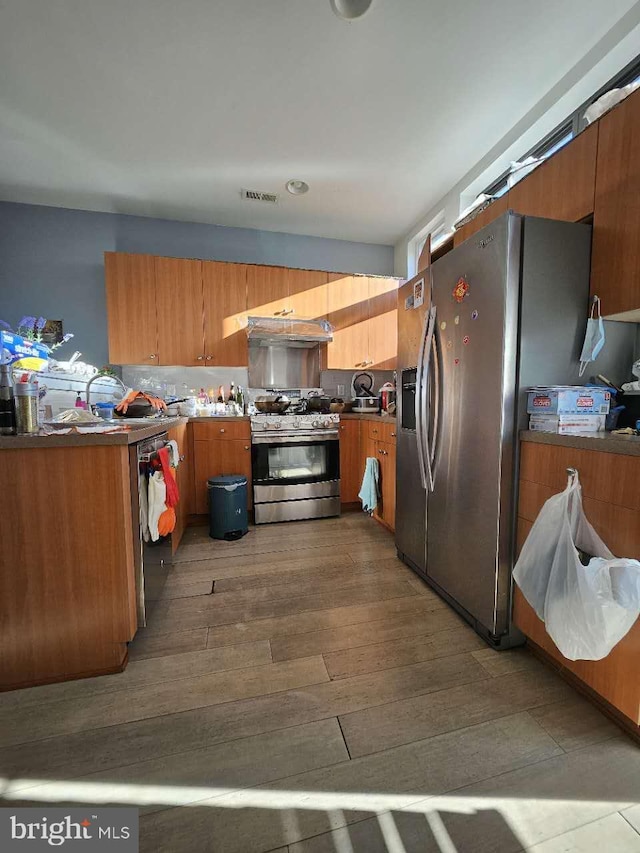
x=302 y=691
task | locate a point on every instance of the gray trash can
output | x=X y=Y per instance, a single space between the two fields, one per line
x=227 y=506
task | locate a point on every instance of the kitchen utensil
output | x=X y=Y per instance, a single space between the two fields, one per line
x=336 y=406
x=272 y=405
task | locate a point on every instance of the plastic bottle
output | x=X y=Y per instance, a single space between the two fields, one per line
x=202 y=397
x=232 y=397
x=80 y=403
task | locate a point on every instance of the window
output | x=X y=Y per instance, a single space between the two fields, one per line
x=571 y=127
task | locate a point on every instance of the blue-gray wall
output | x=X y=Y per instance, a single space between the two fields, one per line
x=51 y=261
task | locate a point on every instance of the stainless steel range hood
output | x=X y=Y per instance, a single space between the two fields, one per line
x=288 y=331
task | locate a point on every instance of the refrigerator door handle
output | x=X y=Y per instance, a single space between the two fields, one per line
x=423 y=438
x=436 y=414
x=419 y=396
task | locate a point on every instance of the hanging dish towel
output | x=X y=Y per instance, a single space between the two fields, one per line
x=172 y=496
x=174 y=453
x=369 y=490
x=157 y=498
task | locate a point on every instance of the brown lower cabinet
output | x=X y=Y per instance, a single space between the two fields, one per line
x=67 y=588
x=611 y=497
x=350 y=461
x=220 y=448
x=360 y=439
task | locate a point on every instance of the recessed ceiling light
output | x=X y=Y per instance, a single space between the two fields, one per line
x=350 y=10
x=297 y=187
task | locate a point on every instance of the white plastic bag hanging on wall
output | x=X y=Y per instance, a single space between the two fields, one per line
x=587 y=609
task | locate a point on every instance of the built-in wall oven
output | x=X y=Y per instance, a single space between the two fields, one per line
x=295 y=467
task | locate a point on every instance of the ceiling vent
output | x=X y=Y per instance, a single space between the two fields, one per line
x=254 y=195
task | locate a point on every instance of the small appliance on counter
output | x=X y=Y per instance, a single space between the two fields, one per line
x=364 y=399
x=387 y=396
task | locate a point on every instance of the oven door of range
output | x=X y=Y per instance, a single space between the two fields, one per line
x=295 y=466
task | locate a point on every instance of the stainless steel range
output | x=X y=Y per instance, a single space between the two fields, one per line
x=296 y=466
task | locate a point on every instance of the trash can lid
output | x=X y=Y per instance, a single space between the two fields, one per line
x=225 y=480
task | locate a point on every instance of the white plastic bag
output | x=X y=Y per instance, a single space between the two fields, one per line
x=586 y=609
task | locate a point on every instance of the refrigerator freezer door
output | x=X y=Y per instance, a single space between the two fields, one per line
x=476 y=291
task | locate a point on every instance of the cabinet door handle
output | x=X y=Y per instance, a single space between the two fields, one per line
x=153 y=355
x=393 y=435
x=221 y=429
x=374 y=430
x=209 y=357
x=200 y=358
x=182 y=458
x=247 y=447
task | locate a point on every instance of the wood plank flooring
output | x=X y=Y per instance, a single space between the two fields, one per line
x=301 y=691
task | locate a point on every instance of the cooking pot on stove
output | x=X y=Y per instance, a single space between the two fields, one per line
x=318 y=403
x=272 y=405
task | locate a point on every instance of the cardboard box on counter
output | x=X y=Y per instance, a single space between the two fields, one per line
x=569 y=400
x=567 y=424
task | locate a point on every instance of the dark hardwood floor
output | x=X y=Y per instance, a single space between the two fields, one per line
x=301 y=690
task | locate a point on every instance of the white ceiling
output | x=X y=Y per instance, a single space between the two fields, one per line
x=169 y=107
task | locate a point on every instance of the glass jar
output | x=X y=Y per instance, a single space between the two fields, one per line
x=26 y=400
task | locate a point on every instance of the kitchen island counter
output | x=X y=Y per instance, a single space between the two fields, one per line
x=605 y=442
x=136 y=433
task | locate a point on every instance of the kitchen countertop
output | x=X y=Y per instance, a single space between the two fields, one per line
x=220 y=418
x=606 y=442
x=356 y=416
x=136 y=433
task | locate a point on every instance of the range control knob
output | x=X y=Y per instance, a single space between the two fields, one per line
x=316 y=424
x=327 y=424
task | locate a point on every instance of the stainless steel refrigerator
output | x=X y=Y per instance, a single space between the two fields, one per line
x=502 y=312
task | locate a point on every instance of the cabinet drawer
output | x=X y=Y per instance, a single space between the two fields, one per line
x=381 y=431
x=226 y=430
x=375 y=430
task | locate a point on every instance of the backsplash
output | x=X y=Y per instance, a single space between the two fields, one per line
x=182 y=381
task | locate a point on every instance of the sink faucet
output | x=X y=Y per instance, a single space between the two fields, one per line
x=102 y=375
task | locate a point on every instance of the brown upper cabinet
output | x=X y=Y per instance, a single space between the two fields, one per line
x=499 y=206
x=307 y=293
x=189 y=312
x=131 y=308
x=383 y=323
x=225 y=313
x=180 y=311
x=363 y=311
x=284 y=292
x=615 y=261
x=563 y=187
x=267 y=291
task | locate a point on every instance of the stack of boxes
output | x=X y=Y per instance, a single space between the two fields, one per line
x=568 y=409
